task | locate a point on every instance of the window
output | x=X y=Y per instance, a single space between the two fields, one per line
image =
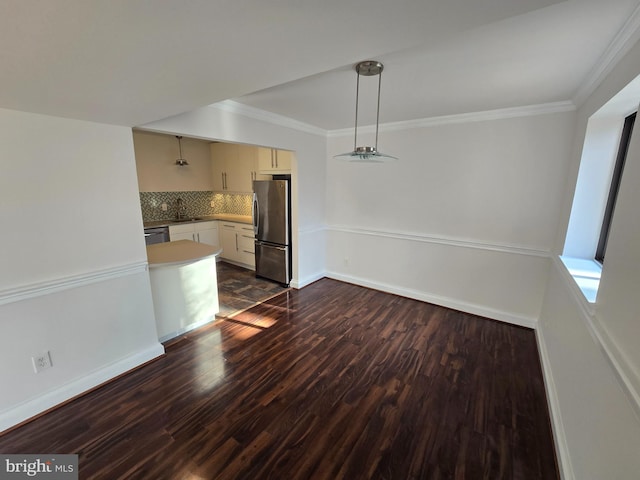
x=627 y=129
x=607 y=137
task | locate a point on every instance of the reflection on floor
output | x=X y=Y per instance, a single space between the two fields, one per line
x=239 y=289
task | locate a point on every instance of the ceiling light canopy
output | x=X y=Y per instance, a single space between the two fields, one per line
x=180 y=161
x=367 y=68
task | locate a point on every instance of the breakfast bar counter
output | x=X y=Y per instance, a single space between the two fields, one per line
x=179 y=252
x=184 y=286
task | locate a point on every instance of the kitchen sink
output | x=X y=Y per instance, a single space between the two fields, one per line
x=192 y=219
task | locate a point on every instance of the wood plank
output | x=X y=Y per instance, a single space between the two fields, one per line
x=332 y=381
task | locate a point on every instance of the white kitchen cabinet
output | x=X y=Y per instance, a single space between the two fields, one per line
x=234 y=167
x=272 y=161
x=238 y=243
x=221 y=154
x=248 y=157
x=202 y=232
x=207 y=232
x=247 y=245
x=228 y=240
x=176 y=234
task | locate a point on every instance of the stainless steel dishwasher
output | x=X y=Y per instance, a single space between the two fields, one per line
x=154 y=235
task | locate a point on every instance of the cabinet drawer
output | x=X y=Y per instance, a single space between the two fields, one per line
x=246 y=243
x=247 y=258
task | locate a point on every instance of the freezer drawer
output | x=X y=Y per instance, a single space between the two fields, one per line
x=272 y=262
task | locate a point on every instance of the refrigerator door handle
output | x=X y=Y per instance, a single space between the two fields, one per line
x=271 y=245
x=255 y=212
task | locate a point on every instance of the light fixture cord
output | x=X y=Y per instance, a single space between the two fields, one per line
x=355 y=136
x=378 y=109
x=179 y=145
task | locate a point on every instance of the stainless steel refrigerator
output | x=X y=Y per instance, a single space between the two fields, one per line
x=271 y=223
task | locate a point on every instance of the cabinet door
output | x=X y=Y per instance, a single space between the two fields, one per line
x=207 y=232
x=218 y=165
x=181 y=232
x=274 y=161
x=228 y=242
x=266 y=161
x=283 y=160
x=242 y=174
x=255 y=167
x=181 y=236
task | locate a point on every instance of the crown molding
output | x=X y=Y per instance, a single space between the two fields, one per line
x=498 y=114
x=269 y=117
x=626 y=38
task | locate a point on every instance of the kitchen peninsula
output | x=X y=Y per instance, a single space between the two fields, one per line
x=184 y=285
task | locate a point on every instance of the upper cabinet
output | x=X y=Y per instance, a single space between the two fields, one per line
x=221 y=154
x=248 y=157
x=234 y=167
x=272 y=161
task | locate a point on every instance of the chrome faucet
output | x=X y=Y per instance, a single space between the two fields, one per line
x=181 y=209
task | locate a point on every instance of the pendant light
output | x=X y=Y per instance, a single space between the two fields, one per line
x=180 y=161
x=366 y=154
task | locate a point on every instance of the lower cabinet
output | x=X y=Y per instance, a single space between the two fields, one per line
x=238 y=243
x=202 y=232
x=236 y=239
x=207 y=232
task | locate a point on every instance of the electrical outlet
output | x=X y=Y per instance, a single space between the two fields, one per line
x=163 y=207
x=41 y=362
x=212 y=204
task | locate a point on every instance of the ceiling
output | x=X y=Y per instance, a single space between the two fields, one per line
x=130 y=62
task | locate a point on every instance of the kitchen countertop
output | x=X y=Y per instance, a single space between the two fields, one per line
x=179 y=252
x=229 y=217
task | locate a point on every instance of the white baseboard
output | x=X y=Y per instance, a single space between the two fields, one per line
x=307 y=280
x=45 y=401
x=474 y=309
x=237 y=264
x=562 y=447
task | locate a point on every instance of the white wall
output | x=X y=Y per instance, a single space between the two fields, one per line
x=73 y=276
x=591 y=355
x=217 y=122
x=597 y=430
x=156 y=156
x=465 y=218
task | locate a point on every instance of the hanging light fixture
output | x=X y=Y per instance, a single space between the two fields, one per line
x=366 y=154
x=180 y=161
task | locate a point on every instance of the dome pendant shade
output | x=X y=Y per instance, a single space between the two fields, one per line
x=366 y=153
x=180 y=161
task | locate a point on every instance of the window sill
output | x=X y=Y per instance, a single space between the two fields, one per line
x=586 y=274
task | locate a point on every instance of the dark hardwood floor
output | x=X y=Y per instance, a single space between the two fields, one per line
x=332 y=381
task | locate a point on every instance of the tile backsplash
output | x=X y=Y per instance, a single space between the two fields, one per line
x=197 y=204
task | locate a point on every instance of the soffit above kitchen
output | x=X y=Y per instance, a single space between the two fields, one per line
x=131 y=63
